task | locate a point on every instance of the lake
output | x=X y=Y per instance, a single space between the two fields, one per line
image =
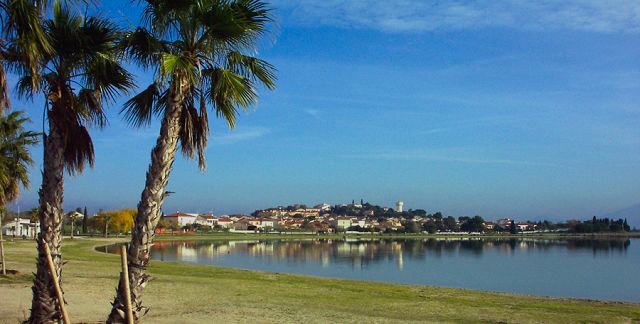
x=604 y=269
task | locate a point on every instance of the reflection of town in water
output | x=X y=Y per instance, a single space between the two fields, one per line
x=361 y=252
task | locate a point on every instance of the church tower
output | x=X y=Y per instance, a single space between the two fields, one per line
x=399 y=206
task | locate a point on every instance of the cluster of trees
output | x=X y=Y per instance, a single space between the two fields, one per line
x=296 y=207
x=599 y=225
x=194 y=227
x=377 y=211
x=382 y=213
x=200 y=55
x=113 y=221
x=437 y=223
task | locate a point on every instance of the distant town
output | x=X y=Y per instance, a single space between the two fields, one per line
x=353 y=218
x=364 y=217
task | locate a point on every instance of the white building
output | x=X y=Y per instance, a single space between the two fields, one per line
x=181 y=219
x=343 y=222
x=268 y=222
x=323 y=207
x=225 y=221
x=399 y=205
x=21 y=227
x=504 y=223
x=206 y=220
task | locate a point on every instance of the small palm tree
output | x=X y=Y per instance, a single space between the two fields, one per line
x=81 y=72
x=15 y=157
x=14 y=161
x=198 y=49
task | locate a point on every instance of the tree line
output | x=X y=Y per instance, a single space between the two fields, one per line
x=600 y=225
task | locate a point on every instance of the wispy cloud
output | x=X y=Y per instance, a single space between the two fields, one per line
x=239 y=135
x=314 y=113
x=411 y=15
x=439 y=155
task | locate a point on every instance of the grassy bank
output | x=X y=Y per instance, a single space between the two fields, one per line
x=190 y=293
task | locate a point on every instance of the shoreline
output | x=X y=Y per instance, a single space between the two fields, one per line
x=197 y=293
x=293 y=235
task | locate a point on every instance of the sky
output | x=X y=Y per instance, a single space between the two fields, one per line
x=528 y=110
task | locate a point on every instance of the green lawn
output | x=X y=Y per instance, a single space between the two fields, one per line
x=192 y=294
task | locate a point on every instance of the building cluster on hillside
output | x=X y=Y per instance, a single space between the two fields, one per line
x=354 y=217
x=324 y=218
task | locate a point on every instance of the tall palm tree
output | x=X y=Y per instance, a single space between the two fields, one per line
x=15 y=157
x=81 y=72
x=198 y=49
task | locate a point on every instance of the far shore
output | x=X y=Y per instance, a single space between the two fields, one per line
x=294 y=235
x=193 y=294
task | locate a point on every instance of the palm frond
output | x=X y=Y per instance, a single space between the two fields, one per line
x=78 y=148
x=236 y=23
x=22 y=25
x=178 y=66
x=141 y=46
x=193 y=131
x=5 y=102
x=67 y=122
x=253 y=68
x=204 y=132
x=228 y=91
x=139 y=110
x=99 y=36
x=108 y=77
x=63 y=31
x=159 y=15
x=24 y=86
x=89 y=107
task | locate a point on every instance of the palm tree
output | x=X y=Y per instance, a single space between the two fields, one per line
x=14 y=161
x=15 y=157
x=81 y=72
x=198 y=51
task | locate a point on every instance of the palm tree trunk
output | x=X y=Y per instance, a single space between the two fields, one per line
x=149 y=210
x=3 y=264
x=44 y=306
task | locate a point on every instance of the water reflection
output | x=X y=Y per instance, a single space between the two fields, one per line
x=583 y=268
x=359 y=253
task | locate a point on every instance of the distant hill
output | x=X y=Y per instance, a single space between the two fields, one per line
x=631 y=213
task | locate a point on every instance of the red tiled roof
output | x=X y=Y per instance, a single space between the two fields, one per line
x=179 y=214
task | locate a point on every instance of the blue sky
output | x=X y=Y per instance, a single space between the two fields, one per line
x=505 y=109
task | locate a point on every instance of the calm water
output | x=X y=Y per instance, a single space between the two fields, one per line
x=594 y=269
